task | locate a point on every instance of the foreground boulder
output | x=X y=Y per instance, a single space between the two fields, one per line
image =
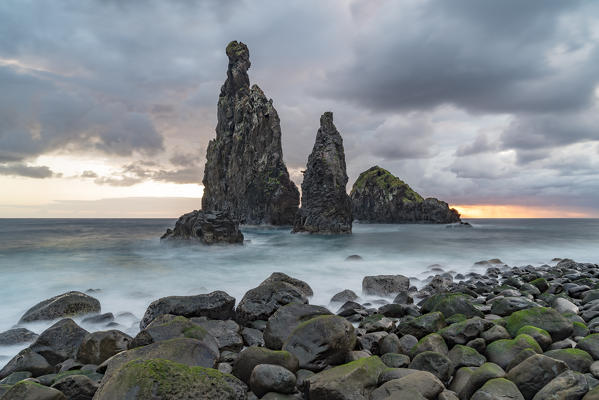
x=168 y=326
x=215 y=305
x=97 y=347
x=321 y=341
x=250 y=357
x=272 y=378
x=385 y=285
x=168 y=380
x=28 y=390
x=208 y=227
x=286 y=319
x=68 y=304
x=245 y=174
x=261 y=302
x=420 y=384
x=535 y=372
x=355 y=380
x=326 y=207
x=498 y=389
x=380 y=197
x=60 y=341
x=27 y=360
x=76 y=387
x=545 y=318
x=568 y=385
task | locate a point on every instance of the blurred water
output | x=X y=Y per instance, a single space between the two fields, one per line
x=40 y=258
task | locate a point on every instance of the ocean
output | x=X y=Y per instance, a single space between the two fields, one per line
x=128 y=267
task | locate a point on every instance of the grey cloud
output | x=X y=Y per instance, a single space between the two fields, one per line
x=20 y=169
x=482 y=144
x=403 y=138
x=89 y=174
x=183 y=175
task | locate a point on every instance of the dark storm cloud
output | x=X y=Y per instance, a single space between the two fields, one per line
x=482 y=144
x=20 y=169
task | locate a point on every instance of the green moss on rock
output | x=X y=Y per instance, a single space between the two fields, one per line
x=541 y=317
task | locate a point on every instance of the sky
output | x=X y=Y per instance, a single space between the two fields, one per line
x=107 y=107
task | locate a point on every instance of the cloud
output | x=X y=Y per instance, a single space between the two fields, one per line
x=89 y=174
x=403 y=138
x=24 y=170
x=482 y=144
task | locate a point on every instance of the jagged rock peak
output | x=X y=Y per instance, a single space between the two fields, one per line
x=245 y=174
x=379 y=196
x=326 y=207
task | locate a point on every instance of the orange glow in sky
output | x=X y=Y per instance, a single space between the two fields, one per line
x=515 y=211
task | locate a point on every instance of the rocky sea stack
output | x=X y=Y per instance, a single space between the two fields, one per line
x=245 y=174
x=326 y=207
x=207 y=227
x=379 y=196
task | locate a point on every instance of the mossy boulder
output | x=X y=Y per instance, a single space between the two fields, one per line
x=252 y=356
x=29 y=390
x=321 y=341
x=65 y=305
x=590 y=344
x=479 y=377
x=464 y=356
x=568 y=385
x=423 y=325
x=286 y=319
x=507 y=305
x=498 y=389
x=168 y=380
x=577 y=359
x=431 y=342
x=502 y=352
x=535 y=372
x=436 y=363
x=415 y=386
x=540 y=283
x=464 y=331
x=169 y=326
x=450 y=304
x=579 y=329
x=541 y=317
x=98 y=347
x=354 y=380
x=542 y=337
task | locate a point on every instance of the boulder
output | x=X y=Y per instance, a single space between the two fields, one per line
x=262 y=302
x=281 y=277
x=29 y=390
x=464 y=356
x=208 y=227
x=68 y=304
x=496 y=332
x=590 y=344
x=286 y=319
x=245 y=174
x=541 y=317
x=60 y=341
x=395 y=360
x=541 y=336
x=252 y=356
x=77 y=387
x=385 y=285
x=569 y=385
x=380 y=197
x=577 y=360
x=15 y=336
x=97 y=347
x=535 y=372
x=431 y=342
x=321 y=341
x=451 y=303
x=421 y=383
x=168 y=326
x=27 y=360
x=479 y=377
x=389 y=344
x=326 y=207
x=498 y=389
x=15 y=377
x=343 y=296
x=354 y=380
x=168 y=380
x=226 y=333
x=271 y=378
x=505 y=306
x=252 y=337
x=463 y=332
x=502 y=352
x=435 y=363
x=215 y=305
x=423 y=325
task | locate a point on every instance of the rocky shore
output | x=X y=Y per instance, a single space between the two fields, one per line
x=508 y=333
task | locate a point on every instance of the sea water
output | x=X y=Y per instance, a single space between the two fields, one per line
x=127 y=267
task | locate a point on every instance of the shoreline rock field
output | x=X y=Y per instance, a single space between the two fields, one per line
x=509 y=333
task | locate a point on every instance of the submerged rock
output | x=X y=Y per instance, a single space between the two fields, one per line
x=245 y=174
x=379 y=196
x=207 y=227
x=326 y=207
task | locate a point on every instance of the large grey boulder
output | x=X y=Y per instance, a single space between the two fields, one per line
x=262 y=302
x=498 y=389
x=532 y=374
x=227 y=333
x=214 y=305
x=569 y=385
x=298 y=283
x=68 y=304
x=286 y=319
x=17 y=336
x=208 y=227
x=271 y=378
x=27 y=360
x=77 y=387
x=250 y=357
x=99 y=346
x=326 y=207
x=28 y=390
x=385 y=285
x=321 y=341
x=435 y=363
x=60 y=341
x=420 y=383
x=380 y=197
x=245 y=174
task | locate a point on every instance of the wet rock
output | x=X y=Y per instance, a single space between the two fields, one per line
x=286 y=319
x=502 y=352
x=15 y=336
x=422 y=383
x=435 y=363
x=463 y=332
x=378 y=196
x=431 y=342
x=27 y=360
x=262 y=302
x=541 y=317
x=77 y=387
x=168 y=326
x=569 y=385
x=451 y=303
x=590 y=344
x=28 y=390
x=245 y=174
x=326 y=207
x=354 y=380
x=98 y=319
x=576 y=359
x=541 y=336
x=479 y=377
x=534 y=373
x=168 y=380
x=464 y=356
x=507 y=305
x=60 y=341
x=423 y=325
x=250 y=357
x=498 y=389
x=68 y=304
x=97 y=347
x=15 y=377
x=395 y=360
x=321 y=341
x=343 y=296
x=226 y=333
x=496 y=332
x=208 y=227
x=272 y=378
x=385 y=285
x=215 y=305
x=389 y=344
x=299 y=284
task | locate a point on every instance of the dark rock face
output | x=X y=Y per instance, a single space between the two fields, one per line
x=60 y=341
x=207 y=227
x=65 y=305
x=379 y=196
x=326 y=207
x=17 y=336
x=245 y=174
